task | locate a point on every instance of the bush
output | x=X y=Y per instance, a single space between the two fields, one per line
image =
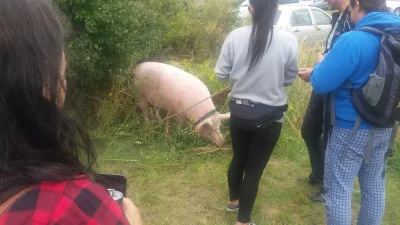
x=198 y=28
x=107 y=36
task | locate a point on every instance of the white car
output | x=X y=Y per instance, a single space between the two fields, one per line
x=307 y=23
x=394 y=6
x=244 y=7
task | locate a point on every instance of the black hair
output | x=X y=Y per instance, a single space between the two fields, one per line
x=38 y=141
x=262 y=31
x=371 y=5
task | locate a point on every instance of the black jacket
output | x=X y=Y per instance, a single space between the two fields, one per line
x=344 y=25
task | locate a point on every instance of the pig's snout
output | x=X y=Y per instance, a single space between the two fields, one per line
x=211 y=133
x=218 y=139
x=220 y=143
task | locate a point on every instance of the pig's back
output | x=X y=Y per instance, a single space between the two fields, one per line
x=166 y=84
x=161 y=71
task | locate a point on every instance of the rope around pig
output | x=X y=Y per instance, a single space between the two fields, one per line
x=219 y=92
x=169 y=117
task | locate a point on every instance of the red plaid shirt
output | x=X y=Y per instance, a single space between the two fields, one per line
x=74 y=202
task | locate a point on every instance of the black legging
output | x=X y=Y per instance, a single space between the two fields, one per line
x=252 y=148
x=315 y=129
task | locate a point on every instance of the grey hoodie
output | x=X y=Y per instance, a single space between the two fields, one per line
x=265 y=83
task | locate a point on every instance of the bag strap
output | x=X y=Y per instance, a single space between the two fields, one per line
x=9 y=202
x=333 y=110
x=371 y=135
x=370 y=145
x=352 y=135
x=332 y=101
x=372 y=30
x=392 y=139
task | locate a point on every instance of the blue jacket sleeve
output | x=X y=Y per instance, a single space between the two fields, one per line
x=336 y=68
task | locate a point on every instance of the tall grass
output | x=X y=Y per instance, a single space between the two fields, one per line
x=118 y=113
x=174 y=176
x=177 y=178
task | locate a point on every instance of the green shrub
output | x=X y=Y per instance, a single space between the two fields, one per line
x=107 y=36
x=198 y=28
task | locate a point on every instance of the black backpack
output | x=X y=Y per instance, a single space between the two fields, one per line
x=378 y=101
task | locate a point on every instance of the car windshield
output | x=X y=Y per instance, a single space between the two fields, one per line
x=278 y=14
x=282 y=2
x=245 y=3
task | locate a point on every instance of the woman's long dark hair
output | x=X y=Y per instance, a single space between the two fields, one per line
x=38 y=142
x=263 y=29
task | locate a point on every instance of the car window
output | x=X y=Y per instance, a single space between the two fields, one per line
x=245 y=3
x=301 y=18
x=283 y=2
x=320 y=17
x=278 y=14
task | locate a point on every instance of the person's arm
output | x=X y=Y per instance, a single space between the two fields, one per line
x=292 y=69
x=336 y=68
x=225 y=62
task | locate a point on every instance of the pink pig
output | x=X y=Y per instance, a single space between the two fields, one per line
x=169 y=88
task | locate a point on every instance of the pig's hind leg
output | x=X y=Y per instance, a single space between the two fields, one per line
x=157 y=112
x=143 y=106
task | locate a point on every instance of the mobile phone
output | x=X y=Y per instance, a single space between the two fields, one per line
x=117 y=182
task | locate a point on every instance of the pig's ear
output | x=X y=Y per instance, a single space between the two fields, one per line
x=204 y=126
x=225 y=116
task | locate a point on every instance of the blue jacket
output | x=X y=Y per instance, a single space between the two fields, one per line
x=353 y=58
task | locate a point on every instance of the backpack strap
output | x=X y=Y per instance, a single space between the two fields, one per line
x=371 y=136
x=370 y=145
x=333 y=111
x=372 y=30
x=352 y=135
x=392 y=139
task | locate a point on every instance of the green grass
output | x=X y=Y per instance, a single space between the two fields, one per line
x=176 y=178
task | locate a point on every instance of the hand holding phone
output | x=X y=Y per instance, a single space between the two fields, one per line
x=131 y=212
x=117 y=185
x=305 y=74
x=118 y=182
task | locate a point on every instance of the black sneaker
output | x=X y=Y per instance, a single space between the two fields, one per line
x=311 y=180
x=231 y=207
x=318 y=197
